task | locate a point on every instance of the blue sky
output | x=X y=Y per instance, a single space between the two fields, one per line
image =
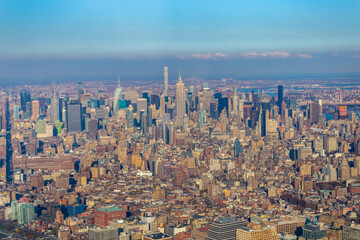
x=204 y=30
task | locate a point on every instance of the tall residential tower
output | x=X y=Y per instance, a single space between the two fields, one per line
x=166 y=82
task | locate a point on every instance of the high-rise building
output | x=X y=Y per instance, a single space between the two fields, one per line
x=166 y=82
x=23 y=213
x=180 y=102
x=55 y=108
x=74 y=117
x=224 y=228
x=24 y=98
x=237 y=147
x=155 y=100
x=280 y=97
x=103 y=234
x=235 y=102
x=141 y=105
x=117 y=97
x=81 y=91
x=201 y=119
x=130 y=117
x=268 y=233
x=314 y=111
x=162 y=106
x=351 y=232
x=16 y=114
x=313 y=231
x=35 y=109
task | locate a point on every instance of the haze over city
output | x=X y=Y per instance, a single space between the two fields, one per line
x=49 y=40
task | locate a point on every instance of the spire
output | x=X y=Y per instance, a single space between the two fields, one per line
x=119 y=81
x=179 y=80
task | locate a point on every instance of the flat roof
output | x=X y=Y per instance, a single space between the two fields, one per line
x=158 y=235
x=109 y=209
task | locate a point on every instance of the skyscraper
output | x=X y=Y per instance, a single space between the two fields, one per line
x=74 y=117
x=117 y=97
x=130 y=117
x=162 y=106
x=55 y=108
x=280 y=97
x=24 y=98
x=235 y=102
x=180 y=101
x=81 y=91
x=35 y=109
x=16 y=110
x=166 y=82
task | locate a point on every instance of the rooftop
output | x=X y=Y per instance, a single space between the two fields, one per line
x=110 y=209
x=157 y=235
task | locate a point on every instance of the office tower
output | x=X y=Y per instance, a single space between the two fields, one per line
x=180 y=102
x=166 y=82
x=314 y=111
x=280 y=97
x=235 y=102
x=201 y=119
x=55 y=108
x=155 y=100
x=283 y=110
x=145 y=95
x=35 y=109
x=117 y=97
x=103 y=234
x=64 y=114
x=162 y=106
x=312 y=230
x=74 y=117
x=223 y=103
x=24 y=98
x=237 y=147
x=81 y=92
x=92 y=126
x=144 y=122
x=224 y=228
x=171 y=133
x=141 y=104
x=130 y=117
x=149 y=116
x=214 y=113
x=94 y=103
x=250 y=94
x=16 y=114
x=41 y=128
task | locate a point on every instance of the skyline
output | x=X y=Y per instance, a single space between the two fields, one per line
x=268 y=38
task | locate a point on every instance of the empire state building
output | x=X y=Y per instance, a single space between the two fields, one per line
x=180 y=101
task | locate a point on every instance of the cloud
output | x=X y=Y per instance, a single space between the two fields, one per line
x=355 y=55
x=305 y=55
x=208 y=56
x=276 y=54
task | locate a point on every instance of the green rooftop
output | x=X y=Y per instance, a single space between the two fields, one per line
x=110 y=209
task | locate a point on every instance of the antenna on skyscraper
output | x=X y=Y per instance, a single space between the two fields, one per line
x=180 y=80
x=118 y=80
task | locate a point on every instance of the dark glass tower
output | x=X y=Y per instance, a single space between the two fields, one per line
x=280 y=97
x=74 y=117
